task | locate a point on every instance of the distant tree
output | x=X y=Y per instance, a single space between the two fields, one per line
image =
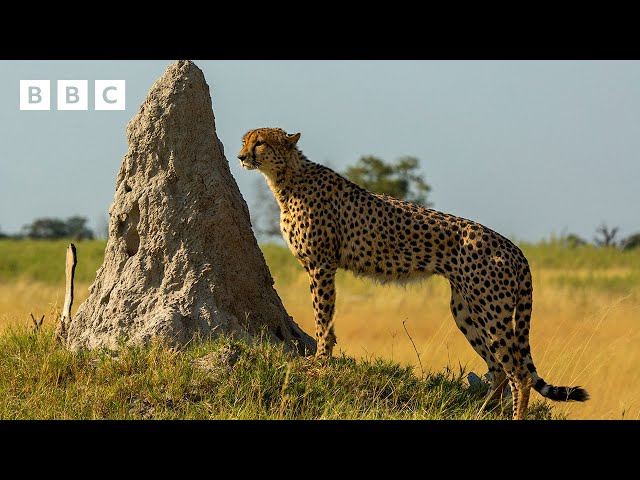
x=606 y=236
x=265 y=217
x=53 y=228
x=2 y=234
x=572 y=240
x=399 y=179
x=78 y=230
x=46 y=228
x=631 y=242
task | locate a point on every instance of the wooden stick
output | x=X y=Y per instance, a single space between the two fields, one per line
x=65 y=317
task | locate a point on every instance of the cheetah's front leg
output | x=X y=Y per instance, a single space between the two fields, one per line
x=323 y=292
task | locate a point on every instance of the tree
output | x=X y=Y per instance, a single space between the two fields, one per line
x=265 y=217
x=77 y=229
x=606 y=236
x=49 y=228
x=572 y=240
x=399 y=179
x=631 y=242
x=53 y=228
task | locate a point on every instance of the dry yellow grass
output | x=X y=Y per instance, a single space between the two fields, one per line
x=21 y=298
x=579 y=336
x=584 y=325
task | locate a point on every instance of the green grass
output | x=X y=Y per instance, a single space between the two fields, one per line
x=587 y=267
x=44 y=260
x=41 y=260
x=556 y=255
x=223 y=379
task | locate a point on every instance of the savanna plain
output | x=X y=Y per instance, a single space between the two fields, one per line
x=584 y=330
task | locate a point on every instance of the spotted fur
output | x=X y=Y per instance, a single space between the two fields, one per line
x=330 y=223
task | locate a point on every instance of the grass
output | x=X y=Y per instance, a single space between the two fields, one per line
x=38 y=260
x=555 y=255
x=223 y=379
x=584 y=331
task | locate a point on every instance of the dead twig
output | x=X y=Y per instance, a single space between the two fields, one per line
x=414 y=347
x=36 y=324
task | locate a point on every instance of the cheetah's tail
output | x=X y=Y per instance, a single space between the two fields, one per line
x=522 y=319
x=560 y=394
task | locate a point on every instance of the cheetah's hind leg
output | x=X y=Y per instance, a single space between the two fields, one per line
x=469 y=328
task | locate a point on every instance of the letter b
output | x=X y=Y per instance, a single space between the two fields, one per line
x=73 y=95
x=35 y=95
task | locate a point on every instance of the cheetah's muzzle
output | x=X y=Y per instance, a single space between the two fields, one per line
x=251 y=164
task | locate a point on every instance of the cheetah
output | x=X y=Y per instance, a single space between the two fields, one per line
x=329 y=222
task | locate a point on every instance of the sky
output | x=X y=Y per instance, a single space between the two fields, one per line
x=531 y=149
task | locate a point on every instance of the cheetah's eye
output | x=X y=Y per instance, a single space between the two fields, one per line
x=258 y=143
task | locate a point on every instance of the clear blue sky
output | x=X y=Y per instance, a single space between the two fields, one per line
x=528 y=148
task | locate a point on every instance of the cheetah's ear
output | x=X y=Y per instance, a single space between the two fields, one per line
x=292 y=138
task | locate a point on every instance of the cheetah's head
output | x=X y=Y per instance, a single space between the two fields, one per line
x=268 y=149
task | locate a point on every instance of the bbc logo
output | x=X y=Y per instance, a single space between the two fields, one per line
x=72 y=95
